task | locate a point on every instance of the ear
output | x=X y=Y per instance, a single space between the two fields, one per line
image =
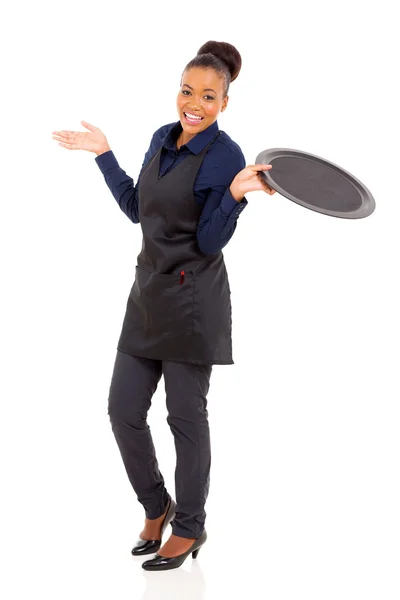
x=224 y=103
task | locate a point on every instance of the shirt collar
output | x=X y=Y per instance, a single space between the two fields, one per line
x=196 y=144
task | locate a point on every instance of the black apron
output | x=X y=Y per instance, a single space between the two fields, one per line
x=179 y=307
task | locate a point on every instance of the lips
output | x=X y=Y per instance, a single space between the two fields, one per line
x=192 y=119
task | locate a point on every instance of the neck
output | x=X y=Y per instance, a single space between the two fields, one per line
x=184 y=138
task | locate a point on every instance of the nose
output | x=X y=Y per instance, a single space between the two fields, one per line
x=195 y=104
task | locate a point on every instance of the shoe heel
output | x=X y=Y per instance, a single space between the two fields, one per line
x=195 y=553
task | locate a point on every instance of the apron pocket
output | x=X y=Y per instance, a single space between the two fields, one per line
x=169 y=301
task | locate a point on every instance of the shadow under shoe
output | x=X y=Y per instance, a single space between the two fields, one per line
x=150 y=546
x=162 y=563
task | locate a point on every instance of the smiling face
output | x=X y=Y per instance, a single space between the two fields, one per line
x=200 y=95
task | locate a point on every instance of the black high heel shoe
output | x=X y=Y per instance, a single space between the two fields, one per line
x=162 y=563
x=150 y=546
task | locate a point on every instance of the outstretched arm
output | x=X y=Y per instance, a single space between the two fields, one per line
x=120 y=184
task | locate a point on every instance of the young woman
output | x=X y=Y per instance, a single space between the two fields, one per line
x=188 y=197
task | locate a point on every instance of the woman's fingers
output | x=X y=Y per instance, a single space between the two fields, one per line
x=269 y=190
x=266 y=188
x=257 y=169
x=253 y=171
x=89 y=126
x=62 y=138
x=264 y=185
x=260 y=167
x=72 y=140
x=68 y=135
x=69 y=146
x=68 y=142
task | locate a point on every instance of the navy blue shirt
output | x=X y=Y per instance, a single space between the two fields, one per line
x=224 y=159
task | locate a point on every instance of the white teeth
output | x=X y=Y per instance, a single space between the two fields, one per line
x=193 y=117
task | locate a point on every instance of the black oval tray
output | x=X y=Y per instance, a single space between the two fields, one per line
x=316 y=183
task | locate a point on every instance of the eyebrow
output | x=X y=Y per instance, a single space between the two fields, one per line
x=205 y=90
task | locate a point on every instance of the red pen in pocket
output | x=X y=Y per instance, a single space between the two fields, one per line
x=182 y=277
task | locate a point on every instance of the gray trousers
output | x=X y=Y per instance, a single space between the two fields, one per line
x=133 y=384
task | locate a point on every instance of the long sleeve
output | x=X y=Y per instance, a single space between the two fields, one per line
x=121 y=185
x=218 y=219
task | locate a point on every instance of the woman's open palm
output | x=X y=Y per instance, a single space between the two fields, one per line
x=93 y=140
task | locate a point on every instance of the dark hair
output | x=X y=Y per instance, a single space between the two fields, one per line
x=220 y=56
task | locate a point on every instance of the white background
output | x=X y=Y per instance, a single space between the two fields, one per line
x=304 y=489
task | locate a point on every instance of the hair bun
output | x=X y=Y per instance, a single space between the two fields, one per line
x=225 y=52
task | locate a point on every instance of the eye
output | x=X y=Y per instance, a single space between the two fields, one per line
x=187 y=92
